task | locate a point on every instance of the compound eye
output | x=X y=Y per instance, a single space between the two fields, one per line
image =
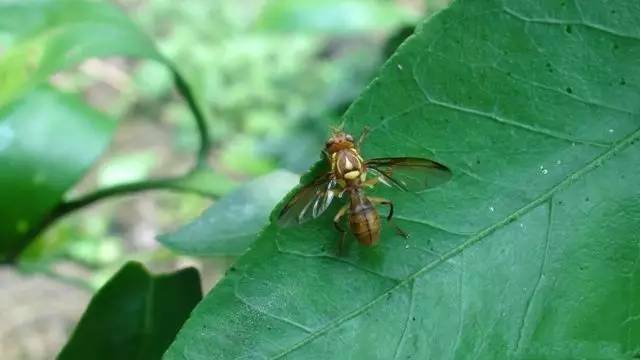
x=349 y=138
x=330 y=142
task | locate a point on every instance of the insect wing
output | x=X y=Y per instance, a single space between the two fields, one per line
x=408 y=173
x=309 y=202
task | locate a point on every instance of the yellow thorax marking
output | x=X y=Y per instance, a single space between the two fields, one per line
x=347 y=164
x=351 y=175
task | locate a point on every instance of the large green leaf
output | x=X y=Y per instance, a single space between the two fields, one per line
x=135 y=315
x=531 y=251
x=56 y=34
x=230 y=225
x=48 y=140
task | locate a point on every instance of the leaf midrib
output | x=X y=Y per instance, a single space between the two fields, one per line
x=570 y=179
x=147 y=322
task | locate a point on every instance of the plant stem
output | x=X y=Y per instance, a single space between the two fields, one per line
x=172 y=183
x=124 y=189
x=201 y=122
x=66 y=207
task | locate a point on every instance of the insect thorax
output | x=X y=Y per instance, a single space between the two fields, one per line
x=347 y=164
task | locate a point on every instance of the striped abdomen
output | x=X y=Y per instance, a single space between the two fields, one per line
x=364 y=221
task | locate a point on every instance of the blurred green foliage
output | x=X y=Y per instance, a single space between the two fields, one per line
x=269 y=90
x=272 y=76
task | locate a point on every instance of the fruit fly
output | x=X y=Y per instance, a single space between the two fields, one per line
x=348 y=173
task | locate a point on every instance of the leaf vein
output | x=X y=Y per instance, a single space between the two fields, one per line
x=431 y=225
x=543 y=262
x=460 y=307
x=551 y=21
x=630 y=305
x=148 y=319
x=336 y=259
x=570 y=179
x=410 y=311
x=577 y=98
x=475 y=176
x=503 y=121
x=271 y=315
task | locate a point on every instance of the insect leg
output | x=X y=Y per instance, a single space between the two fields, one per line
x=363 y=135
x=336 y=222
x=383 y=201
x=338 y=217
x=341 y=244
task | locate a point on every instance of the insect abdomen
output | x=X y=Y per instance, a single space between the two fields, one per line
x=364 y=223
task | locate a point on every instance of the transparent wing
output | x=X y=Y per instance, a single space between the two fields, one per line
x=408 y=173
x=309 y=202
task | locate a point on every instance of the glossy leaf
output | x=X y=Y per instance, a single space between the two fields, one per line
x=56 y=34
x=48 y=140
x=531 y=251
x=135 y=315
x=53 y=152
x=230 y=225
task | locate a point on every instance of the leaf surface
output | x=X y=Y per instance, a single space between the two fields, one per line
x=48 y=140
x=229 y=226
x=56 y=34
x=531 y=251
x=135 y=315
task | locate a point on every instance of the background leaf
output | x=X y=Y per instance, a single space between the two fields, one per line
x=230 y=225
x=535 y=108
x=54 y=35
x=57 y=34
x=48 y=140
x=135 y=315
x=333 y=16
